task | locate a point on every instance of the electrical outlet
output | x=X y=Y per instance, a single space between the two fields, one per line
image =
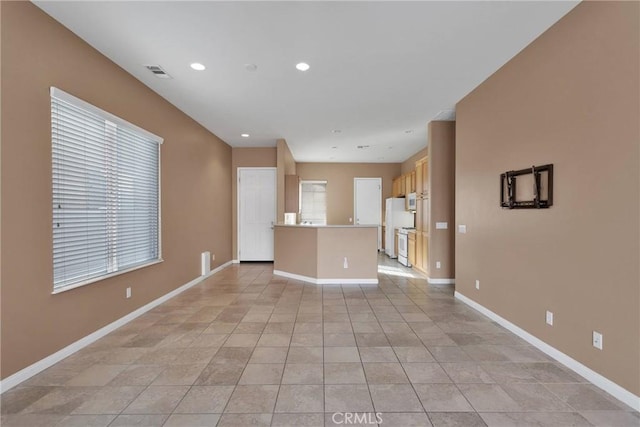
x=346 y=263
x=128 y=293
x=437 y=264
x=549 y=318
x=597 y=340
x=477 y=284
x=213 y=257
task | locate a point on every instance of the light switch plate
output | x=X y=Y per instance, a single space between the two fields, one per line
x=462 y=229
x=549 y=318
x=442 y=225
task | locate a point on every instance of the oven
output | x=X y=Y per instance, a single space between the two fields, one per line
x=403 y=247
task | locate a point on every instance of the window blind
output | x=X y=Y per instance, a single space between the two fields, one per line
x=313 y=202
x=106 y=199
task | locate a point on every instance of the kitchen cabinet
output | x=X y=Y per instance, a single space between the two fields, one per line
x=291 y=193
x=407 y=183
x=411 y=248
x=422 y=215
x=395 y=242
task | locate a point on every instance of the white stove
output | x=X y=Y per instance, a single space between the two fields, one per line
x=403 y=246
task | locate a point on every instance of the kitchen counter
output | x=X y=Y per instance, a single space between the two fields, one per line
x=327 y=254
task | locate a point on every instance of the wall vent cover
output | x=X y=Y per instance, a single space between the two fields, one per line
x=158 y=71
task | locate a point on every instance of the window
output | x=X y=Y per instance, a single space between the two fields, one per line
x=313 y=202
x=106 y=198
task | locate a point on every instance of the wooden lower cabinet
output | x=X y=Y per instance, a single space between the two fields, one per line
x=425 y=251
x=421 y=252
x=411 y=248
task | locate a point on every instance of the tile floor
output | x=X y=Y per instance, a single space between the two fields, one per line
x=246 y=348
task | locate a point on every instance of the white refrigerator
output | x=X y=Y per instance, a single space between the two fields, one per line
x=395 y=216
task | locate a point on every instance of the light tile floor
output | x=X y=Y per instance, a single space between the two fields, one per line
x=246 y=348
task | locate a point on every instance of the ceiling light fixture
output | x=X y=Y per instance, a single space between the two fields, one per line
x=198 y=66
x=302 y=66
x=244 y=135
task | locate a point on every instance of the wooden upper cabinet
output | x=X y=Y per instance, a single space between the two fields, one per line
x=425 y=177
x=395 y=192
x=407 y=183
x=413 y=181
x=422 y=176
x=291 y=193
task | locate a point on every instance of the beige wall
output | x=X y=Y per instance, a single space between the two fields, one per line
x=319 y=252
x=339 y=177
x=358 y=245
x=248 y=158
x=572 y=99
x=410 y=164
x=442 y=167
x=37 y=53
x=295 y=250
x=286 y=166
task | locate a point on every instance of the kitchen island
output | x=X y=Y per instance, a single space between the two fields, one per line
x=327 y=254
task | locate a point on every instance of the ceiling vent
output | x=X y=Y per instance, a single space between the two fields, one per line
x=158 y=71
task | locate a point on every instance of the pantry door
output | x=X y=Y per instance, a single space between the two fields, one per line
x=256 y=213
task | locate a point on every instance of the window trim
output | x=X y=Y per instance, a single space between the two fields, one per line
x=66 y=97
x=312 y=181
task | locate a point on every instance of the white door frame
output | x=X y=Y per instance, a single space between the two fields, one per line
x=275 y=210
x=355 y=198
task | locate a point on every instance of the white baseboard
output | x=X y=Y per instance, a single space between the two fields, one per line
x=235 y=261
x=441 y=281
x=31 y=370
x=316 y=281
x=592 y=376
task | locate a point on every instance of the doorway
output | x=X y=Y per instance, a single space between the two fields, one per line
x=367 y=195
x=256 y=213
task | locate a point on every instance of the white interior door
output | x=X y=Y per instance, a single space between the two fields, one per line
x=368 y=203
x=256 y=213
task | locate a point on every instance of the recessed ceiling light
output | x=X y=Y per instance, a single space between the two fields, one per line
x=250 y=67
x=244 y=135
x=302 y=66
x=336 y=131
x=198 y=66
x=408 y=131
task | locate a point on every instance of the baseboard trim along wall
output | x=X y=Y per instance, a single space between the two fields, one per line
x=31 y=370
x=326 y=281
x=600 y=381
x=441 y=281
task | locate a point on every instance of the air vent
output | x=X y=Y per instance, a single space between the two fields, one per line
x=363 y=147
x=158 y=71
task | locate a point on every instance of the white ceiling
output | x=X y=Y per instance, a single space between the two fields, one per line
x=378 y=69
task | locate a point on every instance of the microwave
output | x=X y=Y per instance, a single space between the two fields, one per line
x=411 y=201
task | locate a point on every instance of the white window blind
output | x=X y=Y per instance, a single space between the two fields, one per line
x=313 y=202
x=106 y=198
